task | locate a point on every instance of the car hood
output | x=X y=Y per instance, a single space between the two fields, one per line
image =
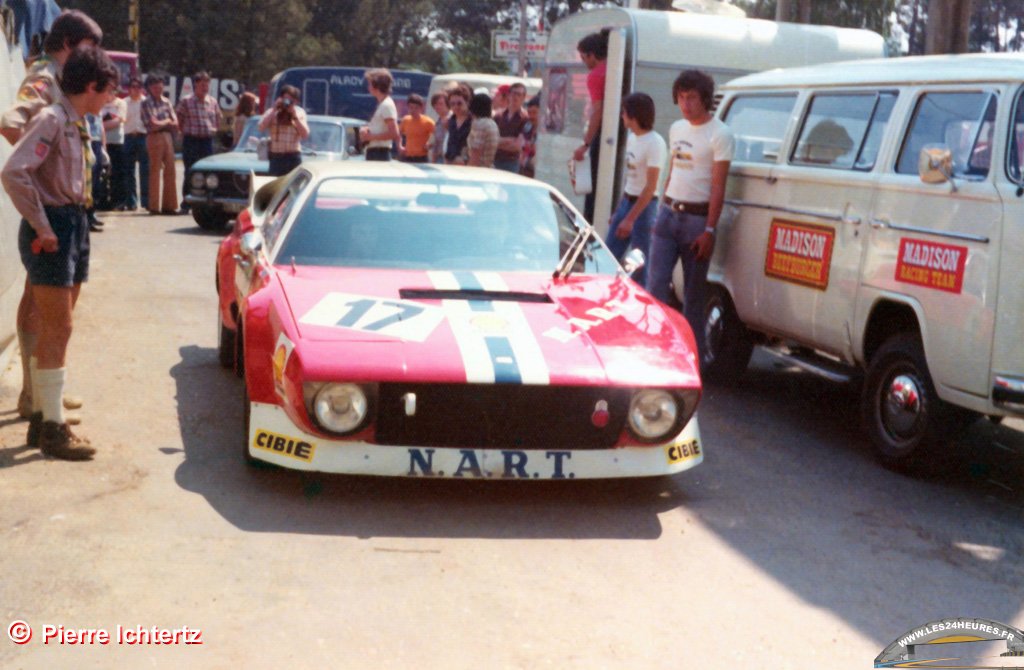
x=244 y=161
x=383 y=325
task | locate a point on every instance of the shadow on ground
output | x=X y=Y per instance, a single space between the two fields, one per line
x=209 y=402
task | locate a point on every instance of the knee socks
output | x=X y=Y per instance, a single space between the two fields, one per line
x=49 y=389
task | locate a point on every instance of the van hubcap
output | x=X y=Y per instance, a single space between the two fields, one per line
x=901 y=407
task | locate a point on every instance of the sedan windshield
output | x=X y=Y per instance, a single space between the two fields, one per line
x=323 y=137
x=437 y=224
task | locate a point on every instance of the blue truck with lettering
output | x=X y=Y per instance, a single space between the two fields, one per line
x=341 y=91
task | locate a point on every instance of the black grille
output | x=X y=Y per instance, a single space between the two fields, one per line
x=499 y=416
x=232 y=184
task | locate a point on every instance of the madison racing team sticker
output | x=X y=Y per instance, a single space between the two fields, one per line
x=799 y=253
x=931 y=264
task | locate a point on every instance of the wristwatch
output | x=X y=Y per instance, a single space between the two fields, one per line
x=709 y=229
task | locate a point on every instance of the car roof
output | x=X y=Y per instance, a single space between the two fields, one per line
x=325 y=169
x=963 y=68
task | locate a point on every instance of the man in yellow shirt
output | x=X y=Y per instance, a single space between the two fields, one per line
x=416 y=130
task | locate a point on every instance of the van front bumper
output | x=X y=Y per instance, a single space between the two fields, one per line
x=1008 y=393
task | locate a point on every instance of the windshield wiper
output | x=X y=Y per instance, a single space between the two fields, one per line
x=567 y=263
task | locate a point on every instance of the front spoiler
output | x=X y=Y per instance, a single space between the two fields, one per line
x=274 y=438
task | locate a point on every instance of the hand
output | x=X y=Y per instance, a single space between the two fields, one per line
x=47 y=242
x=625 y=229
x=703 y=246
x=364 y=134
x=580 y=153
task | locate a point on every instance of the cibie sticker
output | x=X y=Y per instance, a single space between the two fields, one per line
x=931 y=264
x=393 y=318
x=799 y=253
x=677 y=453
x=284 y=445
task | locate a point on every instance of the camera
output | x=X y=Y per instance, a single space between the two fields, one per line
x=285 y=112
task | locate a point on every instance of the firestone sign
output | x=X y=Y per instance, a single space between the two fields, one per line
x=505 y=45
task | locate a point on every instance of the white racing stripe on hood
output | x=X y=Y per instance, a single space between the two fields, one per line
x=475 y=356
x=532 y=366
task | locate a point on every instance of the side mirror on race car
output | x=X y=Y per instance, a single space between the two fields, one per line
x=250 y=244
x=633 y=261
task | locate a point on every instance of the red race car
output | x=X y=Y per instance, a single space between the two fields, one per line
x=432 y=321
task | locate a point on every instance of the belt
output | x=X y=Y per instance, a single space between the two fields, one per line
x=695 y=208
x=630 y=198
x=135 y=134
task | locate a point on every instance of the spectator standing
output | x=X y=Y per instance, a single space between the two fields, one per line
x=528 y=156
x=701 y=148
x=161 y=122
x=511 y=122
x=593 y=50
x=382 y=132
x=246 y=107
x=113 y=116
x=499 y=101
x=439 y=101
x=286 y=122
x=483 y=137
x=459 y=125
x=100 y=165
x=135 y=148
x=630 y=224
x=47 y=179
x=199 y=119
x=39 y=89
x=416 y=129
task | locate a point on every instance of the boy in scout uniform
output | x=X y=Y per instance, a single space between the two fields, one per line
x=48 y=178
x=38 y=90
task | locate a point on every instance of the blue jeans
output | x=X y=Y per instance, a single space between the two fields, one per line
x=135 y=152
x=673 y=234
x=640 y=238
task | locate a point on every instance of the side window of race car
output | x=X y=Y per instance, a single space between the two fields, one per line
x=280 y=210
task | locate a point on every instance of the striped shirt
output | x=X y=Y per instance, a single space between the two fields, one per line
x=199 y=118
x=157 y=110
x=284 y=137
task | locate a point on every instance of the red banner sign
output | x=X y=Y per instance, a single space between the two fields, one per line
x=931 y=264
x=799 y=253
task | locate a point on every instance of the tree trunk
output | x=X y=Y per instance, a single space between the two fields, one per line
x=783 y=10
x=949 y=23
x=804 y=11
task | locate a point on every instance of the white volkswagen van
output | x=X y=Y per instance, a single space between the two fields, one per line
x=875 y=225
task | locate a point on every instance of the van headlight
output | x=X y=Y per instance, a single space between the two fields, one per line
x=212 y=181
x=197 y=179
x=341 y=408
x=657 y=414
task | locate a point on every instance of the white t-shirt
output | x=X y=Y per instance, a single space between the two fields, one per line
x=642 y=152
x=119 y=108
x=693 y=150
x=378 y=122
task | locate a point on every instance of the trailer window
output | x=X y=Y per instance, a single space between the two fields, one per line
x=758 y=123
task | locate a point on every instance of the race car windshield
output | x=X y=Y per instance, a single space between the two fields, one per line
x=436 y=224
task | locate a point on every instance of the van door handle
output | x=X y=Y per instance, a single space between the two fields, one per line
x=878 y=224
x=851 y=220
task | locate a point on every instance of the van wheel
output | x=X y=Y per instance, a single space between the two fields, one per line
x=225 y=343
x=901 y=411
x=727 y=342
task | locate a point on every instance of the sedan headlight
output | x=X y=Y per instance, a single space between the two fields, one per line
x=212 y=181
x=197 y=179
x=341 y=408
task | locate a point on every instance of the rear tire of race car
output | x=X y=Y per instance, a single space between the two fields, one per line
x=225 y=343
x=900 y=410
x=727 y=342
x=209 y=218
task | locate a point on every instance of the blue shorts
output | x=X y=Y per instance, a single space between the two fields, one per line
x=67 y=266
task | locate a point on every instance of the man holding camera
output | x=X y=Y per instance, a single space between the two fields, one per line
x=199 y=119
x=286 y=122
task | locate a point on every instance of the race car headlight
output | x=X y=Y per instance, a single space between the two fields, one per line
x=656 y=414
x=197 y=179
x=341 y=408
x=212 y=181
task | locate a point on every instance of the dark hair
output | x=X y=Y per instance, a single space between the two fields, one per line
x=71 y=28
x=380 y=79
x=247 y=104
x=534 y=101
x=480 y=105
x=595 y=44
x=153 y=78
x=438 y=96
x=516 y=85
x=87 y=64
x=134 y=80
x=695 y=80
x=414 y=99
x=462 y=91
x=640 y=106
x=288 y=89
x=202 y=75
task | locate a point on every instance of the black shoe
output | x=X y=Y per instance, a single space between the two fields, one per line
x=35 y=423
x=57 y=441
x=184 y=210
x=96 y=226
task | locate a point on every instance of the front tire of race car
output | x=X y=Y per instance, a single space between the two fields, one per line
x=225 y=343
x=728 y=344
x=210 y=218
x=900 y=410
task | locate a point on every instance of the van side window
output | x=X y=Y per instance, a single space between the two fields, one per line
x=835 y=129
x=758 y=123
x=876 y=131
x=961 y=121
x=1015 y=152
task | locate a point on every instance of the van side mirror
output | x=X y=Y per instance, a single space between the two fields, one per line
x=935 y=164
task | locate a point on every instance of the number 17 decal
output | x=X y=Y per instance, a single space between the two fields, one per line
x=394 y=318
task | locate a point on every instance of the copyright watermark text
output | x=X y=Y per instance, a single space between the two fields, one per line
x=20 y=632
